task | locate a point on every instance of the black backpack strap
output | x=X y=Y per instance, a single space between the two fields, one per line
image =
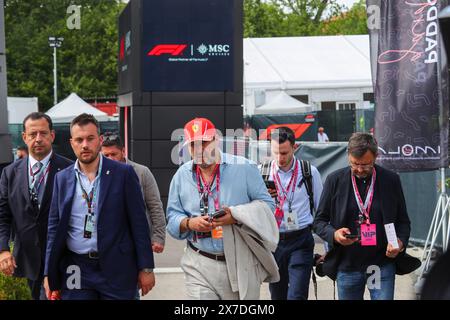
x=307 y=180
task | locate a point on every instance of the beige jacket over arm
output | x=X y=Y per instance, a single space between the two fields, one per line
x=248 y=248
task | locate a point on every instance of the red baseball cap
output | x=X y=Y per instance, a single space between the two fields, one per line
x=199 y=129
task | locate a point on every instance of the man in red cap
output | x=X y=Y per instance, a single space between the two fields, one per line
x=203 y=195
x=200 y=132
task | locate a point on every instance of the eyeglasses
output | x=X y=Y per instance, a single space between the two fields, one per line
x=362 y=166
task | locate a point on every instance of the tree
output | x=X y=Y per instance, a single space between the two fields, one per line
x=353 y=21
x=86 y=61
x=304 y=17
x=310 y=10
x=262 y=19
x=290 y=18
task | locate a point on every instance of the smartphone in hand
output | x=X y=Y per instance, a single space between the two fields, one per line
x=218 y=214
x=270 y=184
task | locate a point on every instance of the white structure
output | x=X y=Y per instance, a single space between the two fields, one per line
x=328 y=71
x=19 y=108
x=283 y=103
x=72 y=106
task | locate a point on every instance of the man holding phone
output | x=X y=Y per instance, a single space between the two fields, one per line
x=202 y=196
x=288 y=183
x=357 y=205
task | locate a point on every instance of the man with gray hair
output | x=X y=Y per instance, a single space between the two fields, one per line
x=322 y=136
x=362 y=216
x=113 y=148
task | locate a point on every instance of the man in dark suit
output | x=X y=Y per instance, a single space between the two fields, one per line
x=98 y=239
x=357 y=205
x=26 y=187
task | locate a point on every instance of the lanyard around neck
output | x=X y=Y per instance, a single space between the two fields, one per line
x=90 y=198
x=365 y=206
x=205 y=189
x=284 y=192
x=38 y=178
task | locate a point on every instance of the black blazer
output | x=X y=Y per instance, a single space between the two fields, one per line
x=28 y=222
x=332 y=210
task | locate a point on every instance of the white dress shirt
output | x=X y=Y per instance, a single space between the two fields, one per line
x=300 y=201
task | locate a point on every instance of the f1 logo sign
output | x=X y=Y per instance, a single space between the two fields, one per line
x=172 y=49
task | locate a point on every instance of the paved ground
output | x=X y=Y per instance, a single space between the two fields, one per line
x=170 y=278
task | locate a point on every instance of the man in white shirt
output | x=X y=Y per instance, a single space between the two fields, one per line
x=322 y=136
x=294 y=215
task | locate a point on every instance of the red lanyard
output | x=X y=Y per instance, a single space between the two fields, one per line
x=205 y=188
x=365 y=207
x=283 y=193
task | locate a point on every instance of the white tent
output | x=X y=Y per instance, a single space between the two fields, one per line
x=283 y=103
x=66 y=110
x=19 y=108
x=307 y=62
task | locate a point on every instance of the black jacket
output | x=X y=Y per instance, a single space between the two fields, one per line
x=437 y=282
x=332 y=210
x=29 y=223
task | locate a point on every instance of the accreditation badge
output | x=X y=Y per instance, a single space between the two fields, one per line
x=291 y=221
x=368 y=234
x=89 y=225
x=217 y=233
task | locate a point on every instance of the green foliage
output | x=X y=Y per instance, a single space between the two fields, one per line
x=14 y=288
x=86 y=61
x=353 y=21
x=288 y=18
x=262 y=19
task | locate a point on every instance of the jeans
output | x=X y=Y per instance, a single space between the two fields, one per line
x=351 y=285
x=295 y=260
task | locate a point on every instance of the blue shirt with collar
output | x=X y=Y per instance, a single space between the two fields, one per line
x=240 y=183
x=75 y=239
x=300 y=201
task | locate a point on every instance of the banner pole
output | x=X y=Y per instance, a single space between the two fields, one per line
x=439 y=223
x=444 y=217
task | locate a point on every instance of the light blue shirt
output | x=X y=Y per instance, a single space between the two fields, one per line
x=75 y=240
x=300 y=201
x=240 y=183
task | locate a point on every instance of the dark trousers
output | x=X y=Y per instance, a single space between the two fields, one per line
x=37 y=289
x=93 y=284
x=294 y=257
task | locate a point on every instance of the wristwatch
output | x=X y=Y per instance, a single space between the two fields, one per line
x=147 y=270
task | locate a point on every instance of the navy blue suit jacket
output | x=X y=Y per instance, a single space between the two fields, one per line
x=28 y=222
x=124 y=244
